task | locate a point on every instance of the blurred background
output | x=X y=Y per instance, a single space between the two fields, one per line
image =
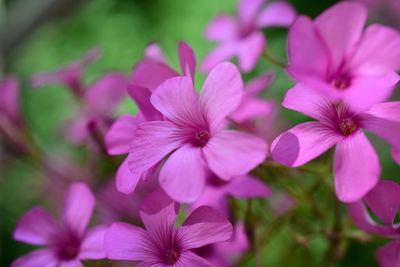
x=42 y=35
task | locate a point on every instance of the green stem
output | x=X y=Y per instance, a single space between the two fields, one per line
x=273 y=60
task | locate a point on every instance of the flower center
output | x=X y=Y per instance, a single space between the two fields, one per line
x=341 y=82
x=201 y=138
x=68 y=252
x=172 y=255
x=348 y=126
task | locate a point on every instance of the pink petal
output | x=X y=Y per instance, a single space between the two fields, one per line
x=231 y=153
x=247 y=11
x=221 y=53
x=9 y=100
x=396 y=155
x=204 y=226
x=258 y=84
x=73 y=263
x=384 y=200
x=78 y=207
x=222 y=28
x=303 y=143
x=158 y=212
x=307 y=101
x=41 y=257
x=389 y=255
x=154 y=52
x=142 y=96
x=128 y=242
x=250 y=50
x=214 y=197
x=188 y=258
x=356 y=167
x=378 y=51
x=92 y=246
x=106 y=93
x=252 y=108
x=384 y=120
x=119 y=137
x=176 y=99
x=276 y=14
x=366 y=91
x=308 y=53
x=221 y=93
x=152 y=142
x=186 y=185
x=126 y=180
x=360 y=216
x=341 y=27
x=36 y=227
x=187 y=60
x=248 y=187
x=150 y=74
x=238 y=245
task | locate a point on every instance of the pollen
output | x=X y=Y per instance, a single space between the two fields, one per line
x=201 y=138
x=348 y=126
x=172 y=256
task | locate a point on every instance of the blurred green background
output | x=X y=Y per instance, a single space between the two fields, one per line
x=122 y=28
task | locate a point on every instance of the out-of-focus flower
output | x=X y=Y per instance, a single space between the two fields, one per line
x=195 y=135
x=282 y=202
x=216 y=192
x=69 y=75
x=333 y=55
x=396 y=155
x=242 y=37
x=384 y=11
x=384 y=202
x=162 y=243
x=10 y=102
x=356 y=164
x=66 y=243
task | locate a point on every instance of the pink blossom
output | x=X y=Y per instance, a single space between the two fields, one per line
x=9 y=101
x=242 y=37
x=356 y=164
x=67 y=242
x=195 y=135
x=384 y=202
x=162 y=243
x=69 y=75
x=333 y=55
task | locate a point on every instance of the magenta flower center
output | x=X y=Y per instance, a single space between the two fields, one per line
x=201 y=138
x=68 y=252
x=341 y=81
x=348 y=126
x=172 y=255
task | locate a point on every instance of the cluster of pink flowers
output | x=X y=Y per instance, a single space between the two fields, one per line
x=199 y=147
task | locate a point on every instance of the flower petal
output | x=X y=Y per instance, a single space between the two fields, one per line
x=222 y=28
x=341 y=27
x=303 y=143
x=248 y=186
x=231 y=154
x=204 y=226
x=221 y=53
x=126 y=180
x=384 y=200
x=252 y=108
x=78 y=207
x=106 y=93
x=396 y=155
x=40 y=257
x=258 y=84
x=9 y=100
x=119 y=137
x=247 y=11
x=378 y=51
x=366 y=91
x=384 y=120
x=36 y=227
x=356 y=167
x=128 y=242
x=389 y=254
x=250 y=50
x=186 y=185
x=221 y=93
x=92 y=246
x=154 y=52
x=187 y=60
x=152 y=142
x=279 y=14
x=73 y=263
x=188 y=258
x=176 y=99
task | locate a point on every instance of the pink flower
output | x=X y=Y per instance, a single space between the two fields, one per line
x=66 y=243
x=396 y=155
x=242 y=37
x=195 y=135
x=216 y=192
x=356 y=164
x=384 y=202
x=163 y=244
x=334 y=56
x=9 y=102
x=70 y=75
